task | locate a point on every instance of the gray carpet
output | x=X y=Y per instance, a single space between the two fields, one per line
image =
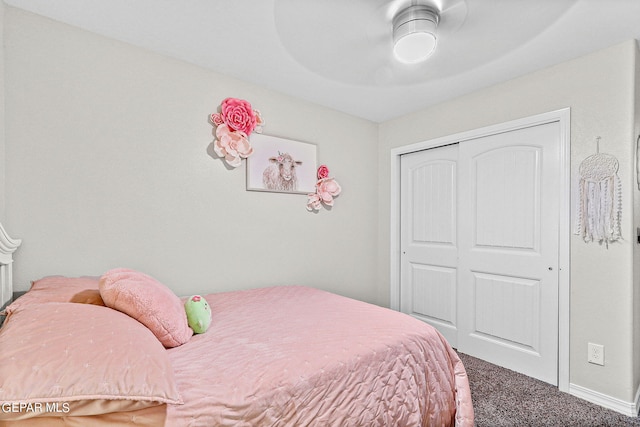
x=505 y=398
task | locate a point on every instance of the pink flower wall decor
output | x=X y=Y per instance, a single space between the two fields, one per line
x=323 y=172
x=232 y=146
x=234 y=124
x=326 y=189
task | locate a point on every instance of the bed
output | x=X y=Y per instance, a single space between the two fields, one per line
x=276 y=356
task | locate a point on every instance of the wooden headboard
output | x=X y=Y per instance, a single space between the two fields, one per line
x=7 y=247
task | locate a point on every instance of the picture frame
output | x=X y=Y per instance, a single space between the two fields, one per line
x=281 y=165
x=638 y=167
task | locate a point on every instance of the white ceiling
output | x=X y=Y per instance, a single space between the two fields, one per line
x=337 y=53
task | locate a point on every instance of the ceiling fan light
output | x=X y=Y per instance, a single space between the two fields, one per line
x=414 y=33
x=415 y=47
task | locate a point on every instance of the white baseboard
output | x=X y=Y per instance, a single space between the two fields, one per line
x=629 y=409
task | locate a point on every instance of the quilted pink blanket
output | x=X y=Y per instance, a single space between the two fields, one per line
x=296 y=356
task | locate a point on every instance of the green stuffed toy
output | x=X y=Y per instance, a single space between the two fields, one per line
x=198 y=313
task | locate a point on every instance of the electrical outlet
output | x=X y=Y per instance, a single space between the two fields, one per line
x=595 y=354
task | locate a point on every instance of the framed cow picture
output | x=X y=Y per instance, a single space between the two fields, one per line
x=281 y=165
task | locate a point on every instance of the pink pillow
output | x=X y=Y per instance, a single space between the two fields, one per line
x=54 y=289
x=148 y=301
x=75 y=354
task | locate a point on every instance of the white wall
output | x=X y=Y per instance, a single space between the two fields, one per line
x=599 y=90
x=2 y=126
x=110 y=164
x=636 y=222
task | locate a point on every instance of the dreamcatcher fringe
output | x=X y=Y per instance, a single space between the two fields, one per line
x=600 y=210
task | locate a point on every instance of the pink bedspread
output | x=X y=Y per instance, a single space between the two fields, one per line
x=296 y=356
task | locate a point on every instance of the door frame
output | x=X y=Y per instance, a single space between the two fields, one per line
x=563 y=117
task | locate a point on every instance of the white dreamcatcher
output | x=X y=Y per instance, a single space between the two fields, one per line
x=599 y=207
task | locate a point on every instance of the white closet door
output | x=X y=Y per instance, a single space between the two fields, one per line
x=429 y=238
x=508 y=249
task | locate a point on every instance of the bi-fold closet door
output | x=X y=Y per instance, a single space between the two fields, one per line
x=479 y=246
